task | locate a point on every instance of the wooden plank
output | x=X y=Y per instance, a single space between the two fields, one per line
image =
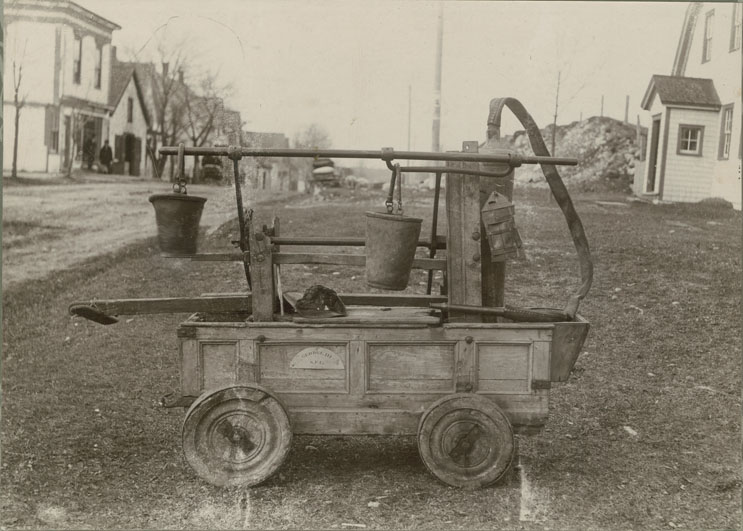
x=376 y=316
x=344 y=241
x=466 y=380
x=390 y=299
x=247 y=362
x=535 y=402
x=354 y=421
x=504 y=361
x=503 y=386
x=218 y=363
x=365 y=299
x=396 y=361
x=190 y=373
x=358 y=260
x=288 y=331
x=464 y=280
x=357 y=370
x=210 y=304
x=261 y=269
x=541 y=361
x=233 y=256
x=303 y=385
x=411 y=385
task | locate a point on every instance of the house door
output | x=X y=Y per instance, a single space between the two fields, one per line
x=136 y=156
x=129 y=145
x=67 y=140
x=653 y=156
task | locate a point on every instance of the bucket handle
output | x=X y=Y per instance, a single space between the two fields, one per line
x=179 y=187
x=395 y=189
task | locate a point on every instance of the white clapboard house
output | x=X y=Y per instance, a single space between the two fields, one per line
x=693 y=150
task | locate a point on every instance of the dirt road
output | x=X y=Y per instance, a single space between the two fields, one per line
x=52 y=227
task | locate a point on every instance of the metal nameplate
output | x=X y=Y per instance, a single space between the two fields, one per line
x=316 y=358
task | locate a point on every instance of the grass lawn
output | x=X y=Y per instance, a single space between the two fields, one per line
x=645 y=435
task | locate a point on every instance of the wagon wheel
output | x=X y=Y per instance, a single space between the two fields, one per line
x=237 y=435
x=466 y=440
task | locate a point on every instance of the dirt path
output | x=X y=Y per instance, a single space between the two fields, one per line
x=48 y=228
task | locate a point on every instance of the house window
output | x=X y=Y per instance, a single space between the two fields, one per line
x=76 y=60
x=735 y=35
x=98 y=65
x=707 y=50
x=690 y=140
x=726 y=131
x=129 y=110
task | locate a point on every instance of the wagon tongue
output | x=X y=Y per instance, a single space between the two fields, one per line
x=92 y=313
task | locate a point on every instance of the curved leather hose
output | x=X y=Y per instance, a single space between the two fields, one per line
x=557 y=187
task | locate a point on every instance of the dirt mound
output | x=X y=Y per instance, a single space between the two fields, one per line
x=606 y=150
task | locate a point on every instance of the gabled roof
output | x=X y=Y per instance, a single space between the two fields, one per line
x=684 y=91
x=121 y=75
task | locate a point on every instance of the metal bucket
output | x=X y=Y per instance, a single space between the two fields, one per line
x=177 y=217
x=391 y=241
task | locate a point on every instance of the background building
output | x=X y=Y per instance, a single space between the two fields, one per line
x=694 y=143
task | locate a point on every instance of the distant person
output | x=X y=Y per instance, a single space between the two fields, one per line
x=106 y=156
x=89 y=152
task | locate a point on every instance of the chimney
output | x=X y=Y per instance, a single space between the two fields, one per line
x=180 y=76
x=165 y=69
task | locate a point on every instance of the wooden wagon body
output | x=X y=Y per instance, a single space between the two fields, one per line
x=379 y=377
x=461 y=370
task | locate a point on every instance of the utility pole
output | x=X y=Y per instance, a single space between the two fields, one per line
x=626 y=109
x=410 y=110
x=554 y=122
x=602 y=106
x=437 y=83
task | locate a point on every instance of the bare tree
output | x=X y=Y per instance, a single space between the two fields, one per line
x=18 y=103
x=203 y=111
x=168 y=101
x=19 y=100
x=313 y=137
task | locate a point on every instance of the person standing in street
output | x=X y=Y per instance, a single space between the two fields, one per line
x=106 y=156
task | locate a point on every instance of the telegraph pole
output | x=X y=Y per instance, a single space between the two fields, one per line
x=437 y=83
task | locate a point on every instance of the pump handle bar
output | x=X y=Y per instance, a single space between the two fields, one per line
x=387 y=154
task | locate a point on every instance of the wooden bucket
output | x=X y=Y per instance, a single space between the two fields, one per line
x=391 y=240
x=178 y=217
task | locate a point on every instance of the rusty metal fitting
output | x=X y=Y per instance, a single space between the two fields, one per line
x=234 y=153
x=388 y=153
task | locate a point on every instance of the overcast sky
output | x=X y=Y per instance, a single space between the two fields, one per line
x=348 y=65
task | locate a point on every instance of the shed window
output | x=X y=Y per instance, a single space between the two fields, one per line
x=726 y=131
x=129 y=110
x=707 y=49
x=690 y=140
x=77 y=60
x=98 y=66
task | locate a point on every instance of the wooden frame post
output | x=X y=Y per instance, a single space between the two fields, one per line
x=261 y=270
x=464 y=253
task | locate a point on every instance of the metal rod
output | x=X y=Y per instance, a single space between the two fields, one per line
x=244 y=244
x=434 y=223
x=460 y=171
x=342 y=242
x=386 y=154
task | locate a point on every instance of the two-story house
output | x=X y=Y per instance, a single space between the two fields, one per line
x=130 y=120
x=694 y=146
x=63 y=54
